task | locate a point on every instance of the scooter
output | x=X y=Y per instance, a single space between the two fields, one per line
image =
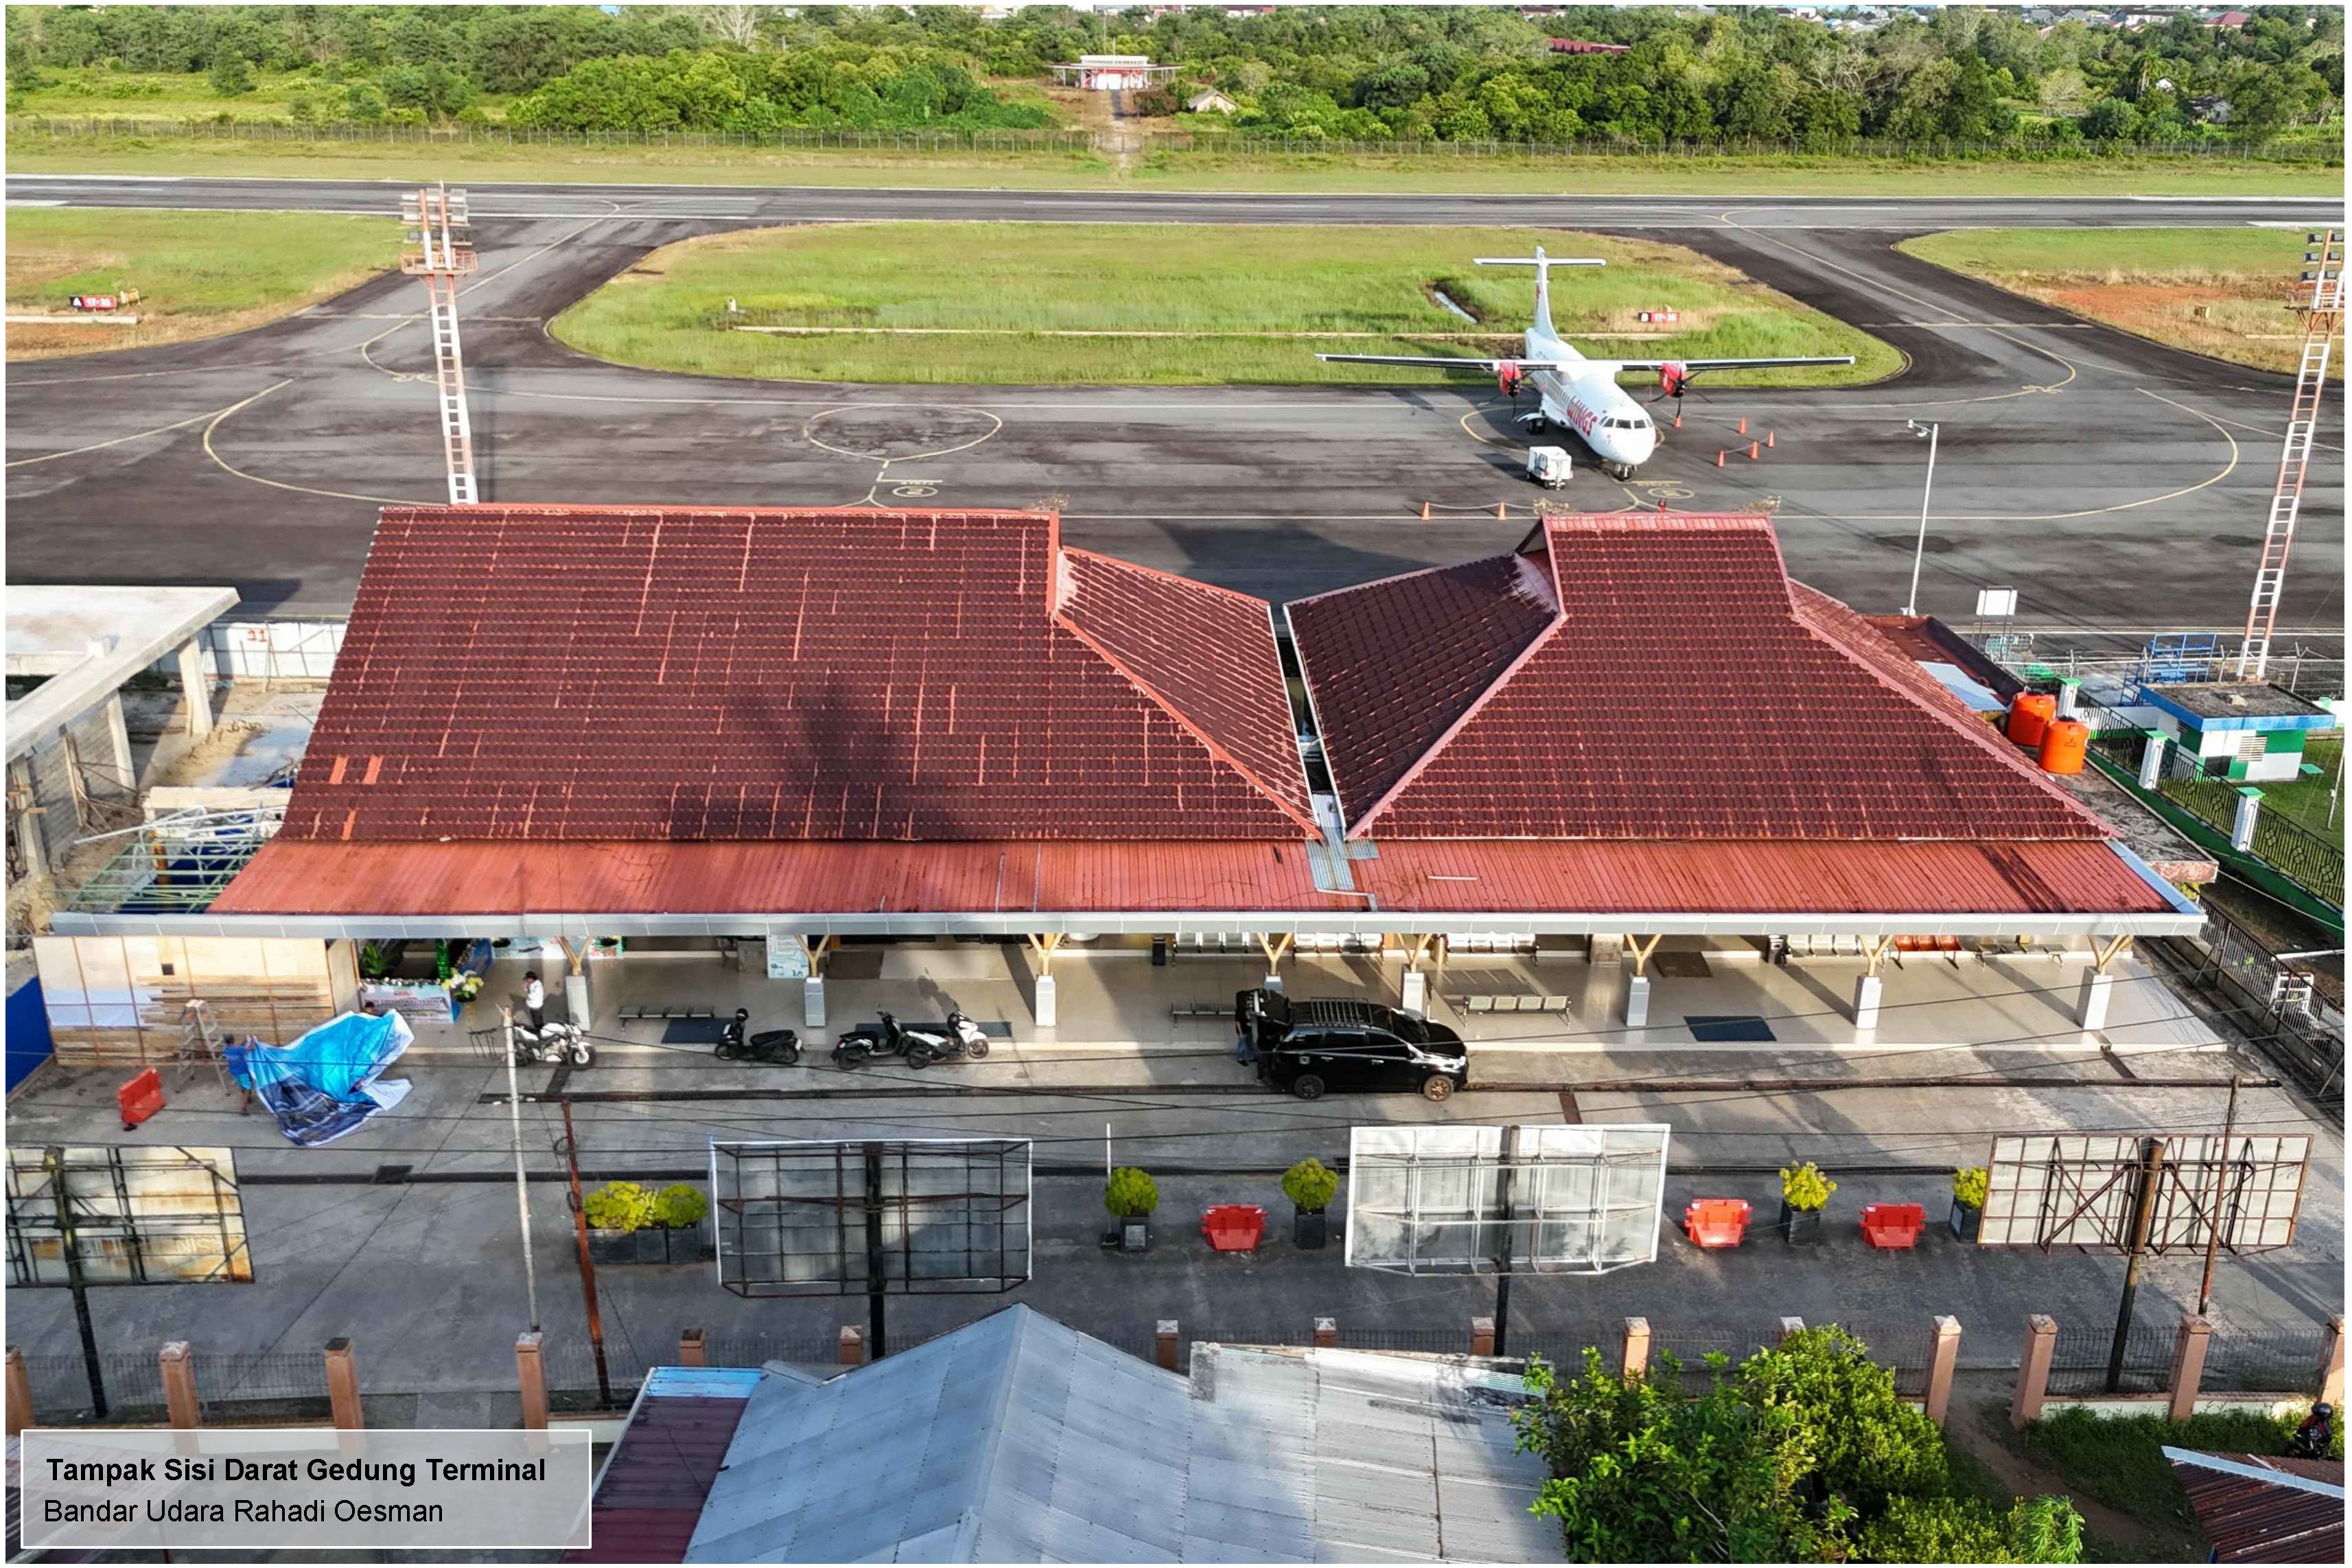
x=2315 y=1436
x=555 y=1042
x=921 y=1043
x=771 y=1047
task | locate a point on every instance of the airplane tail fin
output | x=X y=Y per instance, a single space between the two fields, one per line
x=1543 y=264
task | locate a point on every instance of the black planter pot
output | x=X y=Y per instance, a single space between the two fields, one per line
x=1803 y=1227
x=1965 y=1220
x=1310 y=1228
x=654 y=1244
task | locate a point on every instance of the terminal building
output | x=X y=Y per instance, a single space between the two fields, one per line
x=806 y=726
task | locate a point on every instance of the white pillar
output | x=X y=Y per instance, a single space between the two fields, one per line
x=2151 y=761
x=813 y=1002
x=2097 y=991
x=1416 y=993
x=576 y=1001
x=2242 y=826
x=1048 y=1008
x=1865 y=1001
x=1637 y=1001
x=1274 y=979
x=196 y=678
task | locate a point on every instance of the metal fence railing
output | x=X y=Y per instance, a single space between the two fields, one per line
x=2310 y=861
x=2315 y=151
x=2292 y=1010
x=2078 y=1363
x=2280 y=1362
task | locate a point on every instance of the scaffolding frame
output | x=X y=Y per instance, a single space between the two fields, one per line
x=2322 y=315
x=440 y=249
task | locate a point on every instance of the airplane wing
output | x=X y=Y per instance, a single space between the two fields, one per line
x=1692 y=367
x=1488 y=367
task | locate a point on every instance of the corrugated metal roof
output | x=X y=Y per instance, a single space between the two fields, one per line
x=560 y=674
x=1521 y=875
x=1684 y=689
x=2255 y=1509
x=1017 y=1439
x=653 y=1485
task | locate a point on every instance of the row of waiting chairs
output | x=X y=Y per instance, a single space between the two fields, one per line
x=1509 y=1004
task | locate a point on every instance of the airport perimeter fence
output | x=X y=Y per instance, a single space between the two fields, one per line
x=2078 y=1362
x=231 y=1389
x=2291 y=1009
x=1237 y=143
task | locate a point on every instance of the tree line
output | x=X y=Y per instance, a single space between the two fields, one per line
x=1359 y=73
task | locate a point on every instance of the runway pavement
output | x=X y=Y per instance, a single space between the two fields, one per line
x=2122 y=486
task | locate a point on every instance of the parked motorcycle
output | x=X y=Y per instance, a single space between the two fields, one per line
x=2315 y=1438
x=958 y=1038
x=555 y=1042
x=770 y=1048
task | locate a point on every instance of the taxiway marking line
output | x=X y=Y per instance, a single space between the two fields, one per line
x=227 y=467
x=102 y=445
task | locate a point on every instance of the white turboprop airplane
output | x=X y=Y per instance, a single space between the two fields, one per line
x=1574 y=392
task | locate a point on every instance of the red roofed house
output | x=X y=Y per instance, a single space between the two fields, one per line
x=595 y=721
x=1585 y=47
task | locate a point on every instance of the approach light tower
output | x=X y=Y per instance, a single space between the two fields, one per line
x=2323 y=316
x=440 y=250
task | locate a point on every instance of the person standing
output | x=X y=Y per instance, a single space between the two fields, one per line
x=534 y=1000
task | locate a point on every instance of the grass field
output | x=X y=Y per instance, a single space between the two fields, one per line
x=1594 y=174
x=2121 y=1463
x=199 y=274
x=2223 y=292
x=1127 y=303
x=2306 y=799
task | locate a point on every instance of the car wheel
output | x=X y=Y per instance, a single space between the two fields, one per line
x=1437 y=1086
x=1306 y=1086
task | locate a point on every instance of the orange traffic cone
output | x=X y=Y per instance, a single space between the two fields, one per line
x=1679 y=419
x=1767 y=437
x=1743 y=425
x=1718 y=460
x=1424 y=511
x=1752 y=453
x=1502 y=508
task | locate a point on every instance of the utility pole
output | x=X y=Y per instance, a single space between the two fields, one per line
x=587 y=1263
x=523 y=1187
x=1934 y=433
x=54 y=1161
x=2216 y=1221
x=877 y=1254
x=1503 y=1264
x=2151 y=1172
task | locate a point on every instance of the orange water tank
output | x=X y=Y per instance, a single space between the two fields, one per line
x=2063 y=744
x=2029 y=713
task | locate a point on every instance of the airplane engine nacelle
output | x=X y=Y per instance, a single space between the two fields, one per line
x=1510 y=378
x=1671 y=378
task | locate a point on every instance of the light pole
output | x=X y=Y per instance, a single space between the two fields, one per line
x=1919 y=554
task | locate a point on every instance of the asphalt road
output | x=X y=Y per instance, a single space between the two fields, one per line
x=2122 y=486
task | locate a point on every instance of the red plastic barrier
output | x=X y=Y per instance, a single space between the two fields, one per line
x=1893 y=1225
x=1715 y=1221
x=139 y=1099
x=1234 y=1226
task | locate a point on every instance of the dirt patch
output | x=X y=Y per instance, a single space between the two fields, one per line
x=1979 y=1427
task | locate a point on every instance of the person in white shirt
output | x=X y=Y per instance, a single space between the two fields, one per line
x=534 y=1000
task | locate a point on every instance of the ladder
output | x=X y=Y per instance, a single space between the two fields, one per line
x=2322 y=314
x=200 y=1042
x=440 y=249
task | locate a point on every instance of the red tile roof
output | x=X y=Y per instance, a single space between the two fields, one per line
x=556 y=674
x=1604 y=877
x=1684 y=689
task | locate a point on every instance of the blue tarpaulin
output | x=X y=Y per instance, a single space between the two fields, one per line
x=326 y=1083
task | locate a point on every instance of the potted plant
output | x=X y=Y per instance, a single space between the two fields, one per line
x=1131 y=1197
x=465 y=985
x=1310 y=1186
x=621 y=1225
x=679 y=1210
x=1804 y=1193
x=1968 y=1184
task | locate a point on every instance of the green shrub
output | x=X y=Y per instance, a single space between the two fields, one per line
x=1965 y=1529
x=2119 y=1460
x=1804 y=1187
x=1310 y=1184
x=619 y=1206
x=1969 y=1184
x=679 y=1206
x=1130 y=1193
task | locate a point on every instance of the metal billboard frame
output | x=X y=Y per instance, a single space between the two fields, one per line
x=872 y=1217
x=2093 y=1190
x=1538 y=1198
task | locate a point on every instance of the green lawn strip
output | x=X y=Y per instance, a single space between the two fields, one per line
x=197 y=272
x=2120 y=1461
x=2160 y=255
x=2306 y=799
x=1764 y=176
x=961 y=303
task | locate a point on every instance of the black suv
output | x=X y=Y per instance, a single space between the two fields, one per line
x=1307 y=1048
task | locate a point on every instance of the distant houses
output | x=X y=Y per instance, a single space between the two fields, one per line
x=1211 y=101
x=1585 y=47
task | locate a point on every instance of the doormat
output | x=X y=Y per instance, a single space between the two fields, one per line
x=1724 y=1028
x=690 y=1031
x=1681 y=966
